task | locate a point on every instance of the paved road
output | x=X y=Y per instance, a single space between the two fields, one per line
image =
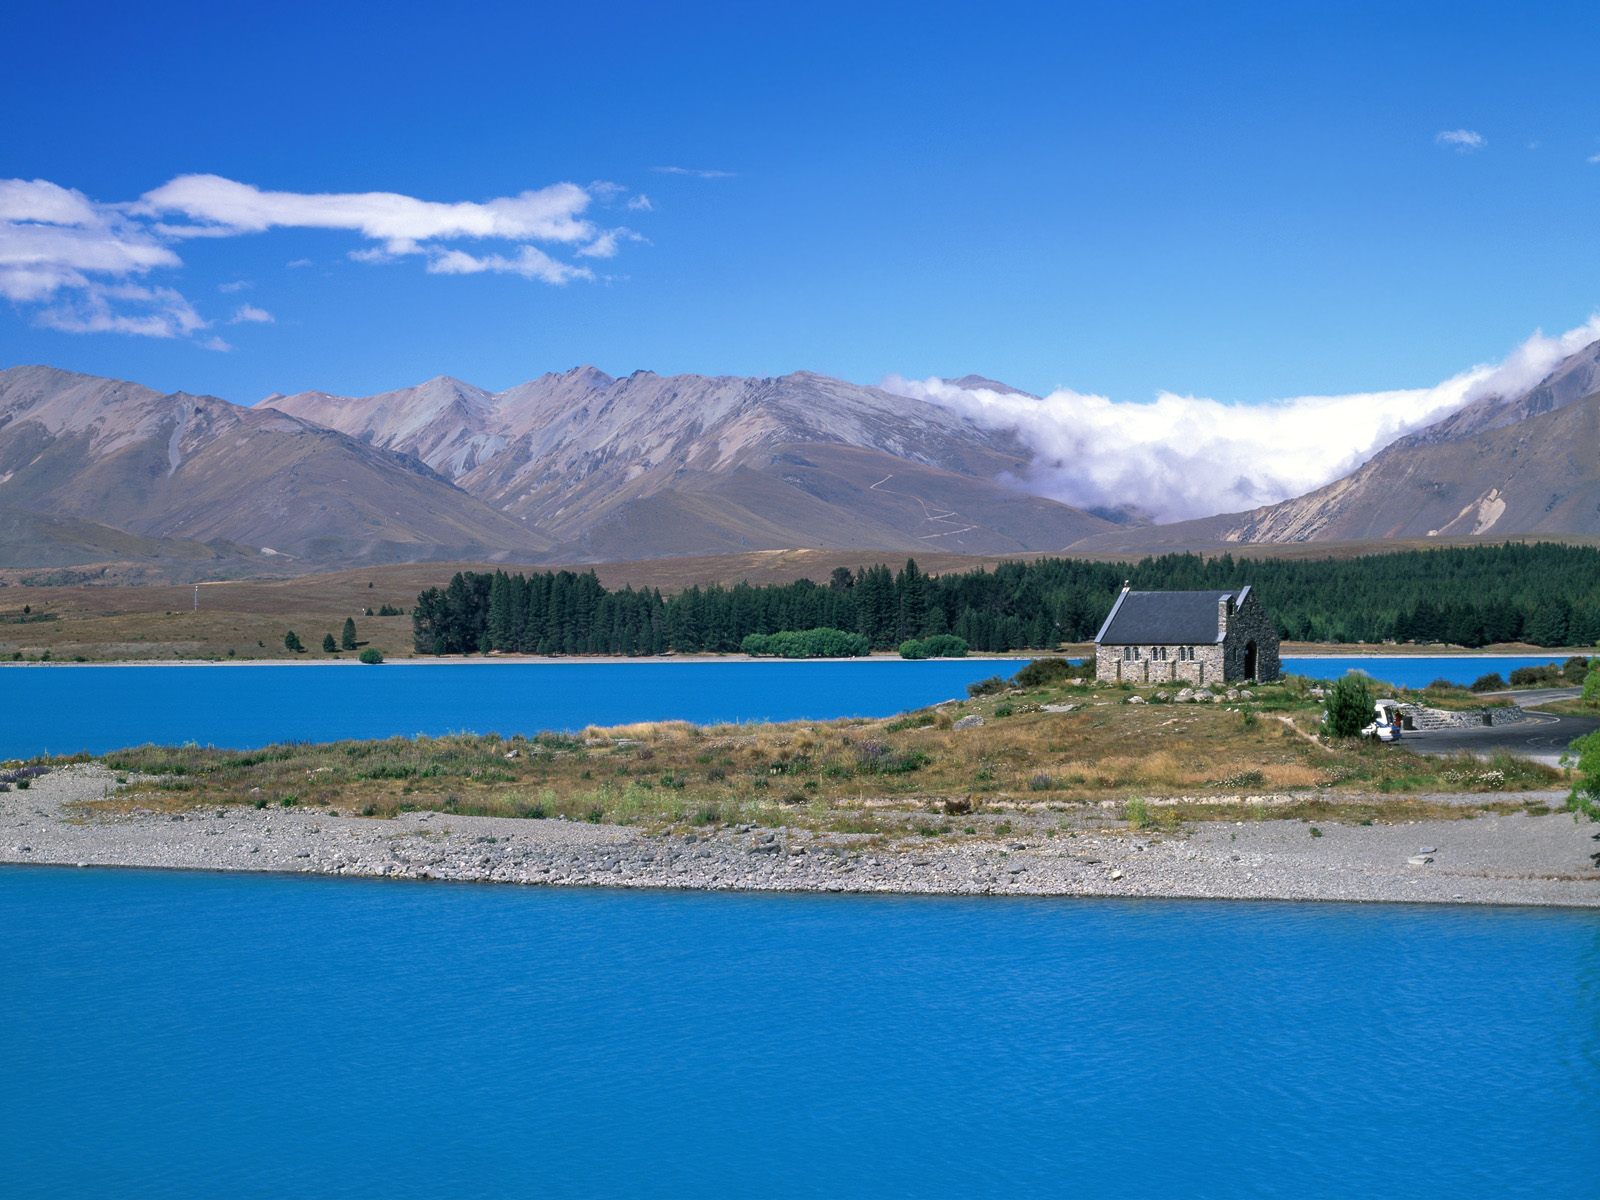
x=1541 y=736
x=1533 y=697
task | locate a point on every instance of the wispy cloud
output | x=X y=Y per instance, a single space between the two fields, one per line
x=694 y=172
x=530 y=262
x=249 y=314
x=296 y=264
x=1593 y=159
x=1463 y=141
x=1187 y=456
x=79 y=263
x=234 y=285
x=640 y=203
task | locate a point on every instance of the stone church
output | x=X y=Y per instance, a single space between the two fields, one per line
x=1187 y=637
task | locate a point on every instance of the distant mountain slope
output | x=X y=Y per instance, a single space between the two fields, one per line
x=196 y=469
x=688 y=464
x=1527 y=463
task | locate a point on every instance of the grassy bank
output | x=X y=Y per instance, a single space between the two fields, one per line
x=1151 y=763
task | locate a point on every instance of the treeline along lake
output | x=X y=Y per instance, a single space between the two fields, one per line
x=1546 y=594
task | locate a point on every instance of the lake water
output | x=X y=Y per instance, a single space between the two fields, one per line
x=63 y=710
x=189 y=1035
x=67 y=709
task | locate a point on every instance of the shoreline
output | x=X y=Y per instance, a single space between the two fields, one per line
x=286 y=873
x=1538 y=856
x=512 y=660
x=461 y=660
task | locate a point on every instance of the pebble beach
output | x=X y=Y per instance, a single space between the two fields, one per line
x=1539 y=856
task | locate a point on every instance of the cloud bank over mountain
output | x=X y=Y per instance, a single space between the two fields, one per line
x=1188 y=456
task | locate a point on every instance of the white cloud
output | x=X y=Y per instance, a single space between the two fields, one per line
x=605 y=246
x=694 y=173
x=640 y=203
x=1463 y=141
x=225 y=206
x=295 y=264
x=234 y=285
x=76 y=259
x=530 y=263
x=122 y=308
x=1593 y=159
x=1187 y=456
x=54 y=238
x=249 y=314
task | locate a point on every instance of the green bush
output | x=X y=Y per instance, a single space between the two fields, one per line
x=291 y=641
x=371 y=656
x=806 y=643
x=329 y=646
x=1584 y=754
x=1492 y=682
x=987 y=687
x=1349 y=708
x=1043 y=671
x=939 y=645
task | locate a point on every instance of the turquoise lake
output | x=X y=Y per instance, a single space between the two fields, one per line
x=190 y=1035
x=66 y=709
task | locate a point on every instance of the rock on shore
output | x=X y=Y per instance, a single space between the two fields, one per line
x=1511 y=859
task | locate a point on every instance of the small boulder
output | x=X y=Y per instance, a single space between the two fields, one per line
x=1135 y=700
x=971 y=721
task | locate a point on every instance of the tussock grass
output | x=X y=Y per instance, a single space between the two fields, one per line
x=1166 y=763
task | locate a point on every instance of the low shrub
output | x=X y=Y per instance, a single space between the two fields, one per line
x=1043 y=671
x=987 y=687
x=940 y=645
x=1349 y=708
x=1492 y=682
x=806 y=643
x=372 y=656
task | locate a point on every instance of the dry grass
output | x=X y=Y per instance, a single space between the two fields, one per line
x=1175 y=764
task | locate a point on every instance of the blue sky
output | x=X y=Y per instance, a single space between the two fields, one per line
x=1243 y=204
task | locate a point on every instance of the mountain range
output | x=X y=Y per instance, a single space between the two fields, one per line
x=580 y=466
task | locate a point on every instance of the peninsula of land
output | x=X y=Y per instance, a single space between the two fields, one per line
x=1047 y=785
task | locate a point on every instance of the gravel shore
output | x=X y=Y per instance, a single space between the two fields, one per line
x=1522 y=858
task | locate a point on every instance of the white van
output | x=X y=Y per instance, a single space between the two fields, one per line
x=1386 y=727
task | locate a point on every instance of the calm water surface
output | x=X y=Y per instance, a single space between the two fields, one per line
x=66 y=709
x=190 y=1035
x=62 y=710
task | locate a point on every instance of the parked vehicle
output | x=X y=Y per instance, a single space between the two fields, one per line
x=1386 y=726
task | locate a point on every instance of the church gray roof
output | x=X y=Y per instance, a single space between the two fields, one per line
x=1165 y=618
